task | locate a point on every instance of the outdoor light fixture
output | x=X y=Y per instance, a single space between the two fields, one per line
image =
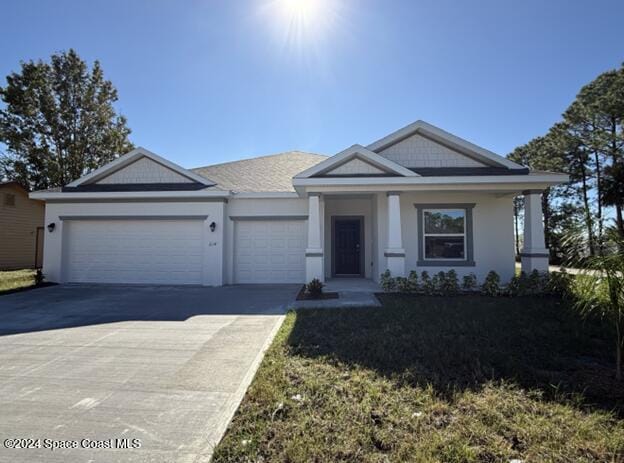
x=51 y=227
x=213 y=226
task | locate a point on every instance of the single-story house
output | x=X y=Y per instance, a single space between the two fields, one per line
x=21 y=228
x=417 y=199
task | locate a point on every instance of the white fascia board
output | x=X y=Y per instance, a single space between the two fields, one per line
x=528 y=180
x=129 y=158
x=446 y=138
x=353 y=152
x=265 y=195
x=58 y=195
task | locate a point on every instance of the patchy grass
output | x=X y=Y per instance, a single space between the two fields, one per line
x=430 y=379
x=16 y=279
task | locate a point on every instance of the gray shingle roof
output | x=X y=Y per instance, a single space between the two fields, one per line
x=261 y=174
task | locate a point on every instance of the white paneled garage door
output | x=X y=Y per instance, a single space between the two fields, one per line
x=269 y=251
x=134 y=251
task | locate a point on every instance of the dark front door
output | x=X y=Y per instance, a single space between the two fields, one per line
x=347 y=246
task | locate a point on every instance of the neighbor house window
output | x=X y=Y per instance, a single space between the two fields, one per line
x=9 y=199
x=445 y=235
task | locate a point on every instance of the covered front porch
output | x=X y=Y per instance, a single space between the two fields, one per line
x=359 y=235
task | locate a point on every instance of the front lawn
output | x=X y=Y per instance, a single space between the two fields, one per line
x=16 y=279
x=429 y=379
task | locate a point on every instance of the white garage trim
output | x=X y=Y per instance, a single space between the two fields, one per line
x=268 y=217
x=133 y=217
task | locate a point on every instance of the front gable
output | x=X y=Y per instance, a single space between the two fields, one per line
x=423 y=146
x=139 y=170
x=144 y=170
x=356 y=161
x=418 y=151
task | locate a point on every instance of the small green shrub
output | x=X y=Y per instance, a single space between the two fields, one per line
x=315 y=288
x=535 y=282
x=387 y=282
x=491 y=285
x=413 y=281
x=39 y=278
x=469 y=282
x=402 y=284
x=436 y=283
x=427 y=284
x=560 y=284
x=518 y=285
x=450 y=283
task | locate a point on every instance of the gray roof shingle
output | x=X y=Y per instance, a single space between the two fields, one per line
x=262 y=174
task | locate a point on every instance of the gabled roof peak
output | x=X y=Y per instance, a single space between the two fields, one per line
x=131 y=157
x=356 y=151
x=445 y=138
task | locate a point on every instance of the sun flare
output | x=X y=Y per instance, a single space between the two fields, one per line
x=305 y=11
x=303 y=21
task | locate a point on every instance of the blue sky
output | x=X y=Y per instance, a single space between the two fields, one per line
x=207 y=81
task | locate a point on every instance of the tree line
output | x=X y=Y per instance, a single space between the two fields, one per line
x=587 y=144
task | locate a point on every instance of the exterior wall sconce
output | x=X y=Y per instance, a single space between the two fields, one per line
x=213 y=226
x=51 y=227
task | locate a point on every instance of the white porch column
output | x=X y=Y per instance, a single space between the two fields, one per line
x=394 y=252
x=534 y=255
x=314 y=251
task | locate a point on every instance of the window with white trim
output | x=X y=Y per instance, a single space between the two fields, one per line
x=444 y=234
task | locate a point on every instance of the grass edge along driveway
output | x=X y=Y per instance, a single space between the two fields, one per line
x=12 y=280
x=455 y=379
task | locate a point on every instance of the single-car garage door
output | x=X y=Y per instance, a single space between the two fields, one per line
x=134 y=251
x=269 y=251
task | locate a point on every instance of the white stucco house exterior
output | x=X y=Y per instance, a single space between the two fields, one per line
x=417 y=199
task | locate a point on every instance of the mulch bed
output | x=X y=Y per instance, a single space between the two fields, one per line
x=303 y=296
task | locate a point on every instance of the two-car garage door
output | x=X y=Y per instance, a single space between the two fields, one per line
x=134 y=251
x=269 y=251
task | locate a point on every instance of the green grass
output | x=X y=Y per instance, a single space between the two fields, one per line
x=16 y=279
x=432 y=379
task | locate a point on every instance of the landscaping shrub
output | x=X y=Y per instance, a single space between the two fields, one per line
x=315 y=288
x=413 y=281
x=402 y=284
x=39 y=277
x=536 y=282
x=469 y=282
x=450 y=283
x=491 y=285
x=387 y=282
x=518 y=285
x=427 y=284
x=560 y=284
x=436 y=283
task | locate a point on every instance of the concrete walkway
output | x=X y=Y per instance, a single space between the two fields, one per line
x=352 y=292
x=167 y=366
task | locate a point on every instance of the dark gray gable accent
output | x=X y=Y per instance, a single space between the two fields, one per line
x=469 y=262
x=467 y=171
x=109 y=187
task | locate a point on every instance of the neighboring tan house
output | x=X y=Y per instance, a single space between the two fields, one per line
x=21 y=228
x=417 y=199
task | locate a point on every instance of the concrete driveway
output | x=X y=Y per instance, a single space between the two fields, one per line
x=103 y=365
